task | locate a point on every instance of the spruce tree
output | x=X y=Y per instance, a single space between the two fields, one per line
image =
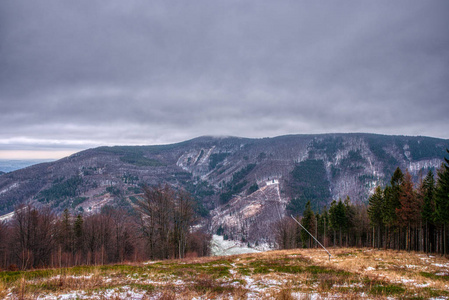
x=409 y=211
x=78 y=234
x=392 y=202
x=442 y=199
x=341 y=219
x=308 y=221
x=66 y=234
x=337 y=215
x=375 y=212
x=349 y=218
x=333 y=222
x=428 y=210
x=326 y=226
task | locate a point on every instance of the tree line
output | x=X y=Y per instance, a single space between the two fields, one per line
x=343 y=224
x=160 y=227
x=401 y=216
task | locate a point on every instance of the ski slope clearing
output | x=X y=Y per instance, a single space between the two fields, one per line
x=288 y=274
x=220 y=247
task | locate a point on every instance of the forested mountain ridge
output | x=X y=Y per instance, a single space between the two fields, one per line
x=222 y=171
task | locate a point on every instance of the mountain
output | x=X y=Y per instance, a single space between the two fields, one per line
x=243 y=184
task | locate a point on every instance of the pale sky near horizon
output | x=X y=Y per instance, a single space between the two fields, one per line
x=81 y=74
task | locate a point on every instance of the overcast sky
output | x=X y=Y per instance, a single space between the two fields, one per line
x=79 y=74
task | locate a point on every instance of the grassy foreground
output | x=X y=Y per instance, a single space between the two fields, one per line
x=289 y=274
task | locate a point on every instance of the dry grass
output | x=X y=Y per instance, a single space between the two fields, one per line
x=290 y=274
x=3 y=290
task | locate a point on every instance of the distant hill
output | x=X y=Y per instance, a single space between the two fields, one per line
x=9 y=165
x=223 y=172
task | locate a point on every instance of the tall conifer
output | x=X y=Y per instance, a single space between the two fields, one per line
x=409 y=211
x=427 y=191
x=442 y=199
x=392 y=202
x=375 y=212
x=309 y=223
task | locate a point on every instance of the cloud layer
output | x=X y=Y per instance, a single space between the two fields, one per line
x=84 y=73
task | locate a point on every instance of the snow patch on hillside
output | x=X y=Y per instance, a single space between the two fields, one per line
x=6 y=217
x=15 y=185
x=221 y=247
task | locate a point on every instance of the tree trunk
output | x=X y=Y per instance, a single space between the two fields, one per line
x=324 y=236
x=379 y=238
x=340 y=238
x=444 y=238
x=427 y=238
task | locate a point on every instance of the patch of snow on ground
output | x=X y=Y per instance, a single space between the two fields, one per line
x=124 y=292
x=311 y=296
x=151 y=262
x=422 y=285
x=404 y=280
x=351 y=285
x=263 y=247
x=220 y=247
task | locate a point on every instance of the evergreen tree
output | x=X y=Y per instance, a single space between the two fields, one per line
x=65 y=232
x=338 y=218
x=392 y=202
x=442 y=199
x=427 y=192
x=309 y=223
x=333 y=222
x=375 y=212
x=349 y=219
x=409 y=211
x=325 y=225
x=78 y=234
x=341 y=219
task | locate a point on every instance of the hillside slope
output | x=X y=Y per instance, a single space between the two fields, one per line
x=227 y=175
x=289 y=274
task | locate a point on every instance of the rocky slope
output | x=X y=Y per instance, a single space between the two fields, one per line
x=244 y=184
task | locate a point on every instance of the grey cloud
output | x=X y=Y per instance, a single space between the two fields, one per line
x=164 y=71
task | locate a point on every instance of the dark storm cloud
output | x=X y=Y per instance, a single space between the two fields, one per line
x=80 y=73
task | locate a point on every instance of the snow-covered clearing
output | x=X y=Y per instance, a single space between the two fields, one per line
x=221 y=247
